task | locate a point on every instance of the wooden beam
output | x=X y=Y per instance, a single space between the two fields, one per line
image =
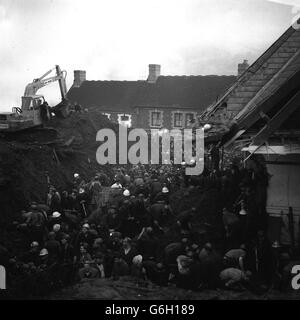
x=286 y=111
x=254 y=115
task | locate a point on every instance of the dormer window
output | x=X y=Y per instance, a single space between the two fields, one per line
x=107 y=115
x=124 y=120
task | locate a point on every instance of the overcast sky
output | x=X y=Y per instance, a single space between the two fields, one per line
x=117 y=39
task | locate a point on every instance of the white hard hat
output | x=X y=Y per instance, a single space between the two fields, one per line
x=183 y=163
x=192 y=161
x=56 y=214
x=207 y=126
x=56 y=227
x=243 y=212
x=34 y=244
x=165 y=190
x=43 y=252
x=86 y=225
x=137 y=260
x=126 y=193
x=76 y=175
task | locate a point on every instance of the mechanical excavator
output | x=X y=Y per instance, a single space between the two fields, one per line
x=29 y=115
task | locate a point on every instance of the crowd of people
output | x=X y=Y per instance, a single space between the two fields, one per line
x=117 y=225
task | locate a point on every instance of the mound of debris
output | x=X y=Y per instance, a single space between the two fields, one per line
x=28 y=158
x=127 y=289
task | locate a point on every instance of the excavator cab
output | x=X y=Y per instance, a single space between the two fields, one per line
x=31 y=108
x=29 y=115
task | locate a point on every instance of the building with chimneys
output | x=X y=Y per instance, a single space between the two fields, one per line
x=158 y=102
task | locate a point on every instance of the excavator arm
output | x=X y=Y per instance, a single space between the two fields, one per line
x=32 y=88
x=62 y=109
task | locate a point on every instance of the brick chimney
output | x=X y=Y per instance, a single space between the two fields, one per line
x=79 y=77
x=242 y=67
x=154 y=73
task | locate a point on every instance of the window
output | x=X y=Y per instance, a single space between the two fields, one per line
x=156 y=118
x=189 y=119
x=107 y=115
x=125 y=120
x=178 y=119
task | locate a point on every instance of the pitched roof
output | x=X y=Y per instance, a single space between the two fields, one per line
x=185 y=91
x=262 y=78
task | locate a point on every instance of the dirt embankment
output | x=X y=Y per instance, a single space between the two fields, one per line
x=127 y=289
x=28 y=157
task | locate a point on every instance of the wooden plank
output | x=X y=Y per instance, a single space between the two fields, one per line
x=237 y=100
x=234 y=107
x=277 y=120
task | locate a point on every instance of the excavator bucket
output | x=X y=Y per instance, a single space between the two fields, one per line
x=62 y=110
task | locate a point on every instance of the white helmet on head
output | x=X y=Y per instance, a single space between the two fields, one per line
x=56 y=214
x=76 y=175
x=126 y=193
x=165 y=190
x=34 y=244
x=137 y=260
x=43 y=252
